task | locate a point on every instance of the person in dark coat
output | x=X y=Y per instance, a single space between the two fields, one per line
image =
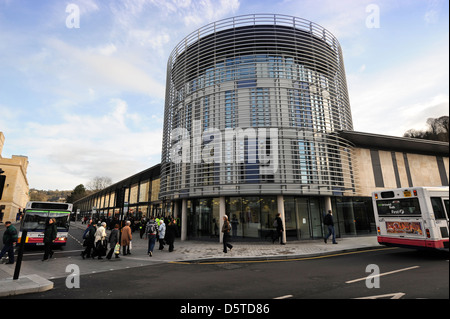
x=279 y=229
x=328 y=221
x=113 y=240
x=50 y=233
x=171 y=233
x=9 y=238
x=89 y=239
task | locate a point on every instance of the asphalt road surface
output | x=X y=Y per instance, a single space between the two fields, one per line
x=397 y=274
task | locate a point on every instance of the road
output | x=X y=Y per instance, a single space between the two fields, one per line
x=404 y=274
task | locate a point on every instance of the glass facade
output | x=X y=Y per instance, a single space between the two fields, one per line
x=253 y=107
x=256 y=100
x=137 y=196
x=253 y=217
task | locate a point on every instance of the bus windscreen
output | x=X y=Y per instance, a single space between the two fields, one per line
x=399 y=207
x=36 y=220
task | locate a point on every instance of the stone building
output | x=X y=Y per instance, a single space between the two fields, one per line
x=16 y=188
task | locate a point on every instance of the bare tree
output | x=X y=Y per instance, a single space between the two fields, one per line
x=98 y=183
x=438 y=130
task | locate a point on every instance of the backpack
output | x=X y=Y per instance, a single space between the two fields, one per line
x=327 y=220
x=151 y=228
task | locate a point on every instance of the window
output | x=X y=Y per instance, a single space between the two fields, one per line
x=260 y=107
x=438 y=208
x=399 y=207
x=230 y=109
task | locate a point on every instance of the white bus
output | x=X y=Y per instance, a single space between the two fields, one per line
x=37 y=214
x=415 y=217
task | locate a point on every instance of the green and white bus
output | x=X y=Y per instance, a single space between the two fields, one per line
x=36 y=216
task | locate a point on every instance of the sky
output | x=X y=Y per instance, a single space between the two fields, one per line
x=82 y=82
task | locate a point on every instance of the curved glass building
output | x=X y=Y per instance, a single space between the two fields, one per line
x=253 y=107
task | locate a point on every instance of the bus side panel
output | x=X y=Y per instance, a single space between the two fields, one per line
x=413 y=243
x=401 y=242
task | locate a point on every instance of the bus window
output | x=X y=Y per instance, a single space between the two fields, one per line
x=438 y=208
x=62 y=220
x=35 y=220
x=446 y=205
x=399 y=207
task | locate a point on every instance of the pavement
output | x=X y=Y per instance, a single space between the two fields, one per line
x=36 y=275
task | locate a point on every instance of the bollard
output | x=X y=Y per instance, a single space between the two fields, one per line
x=20 y=254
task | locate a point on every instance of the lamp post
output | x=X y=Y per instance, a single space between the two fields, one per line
x=20 y=254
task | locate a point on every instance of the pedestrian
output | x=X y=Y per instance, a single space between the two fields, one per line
x=278 y=223
x=142 y=224
x=89 y=239
x=113 y=241
x=226 y=234
x=100 y=242
x=50 y=234
x=150 y=233
x=10 y=237
x=126 y=238
x=162 y=233
x=328 y=221
x=171 y=233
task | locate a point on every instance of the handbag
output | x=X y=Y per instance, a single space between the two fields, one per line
x=117 y=249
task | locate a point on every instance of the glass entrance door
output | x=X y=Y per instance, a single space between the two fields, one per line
x=302 y=208
x=316 y=218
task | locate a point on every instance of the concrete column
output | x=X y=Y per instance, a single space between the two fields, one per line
x=175 y=209
x=183 y=219
x=222 y=212
x=280 y=202
x=328 y=204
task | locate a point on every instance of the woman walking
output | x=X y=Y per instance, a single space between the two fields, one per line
x=171 y=233
x=100 y=243
x=126 y=238
x=226 y=234
x=50 y=233
x=113 y=241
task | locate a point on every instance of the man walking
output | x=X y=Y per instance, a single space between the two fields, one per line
x=9 y=238
x=328 y=221
x=150 y=232
x=278 y=223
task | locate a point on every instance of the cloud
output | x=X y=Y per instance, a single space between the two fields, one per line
x=84 y=146
x=106 y=71
x=402 y=97
x=205 y=11
x=86 y=6
x=431 y=15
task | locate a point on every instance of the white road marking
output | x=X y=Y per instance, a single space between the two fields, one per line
x=284 y=297
x=384 y=274
x=396 y=295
